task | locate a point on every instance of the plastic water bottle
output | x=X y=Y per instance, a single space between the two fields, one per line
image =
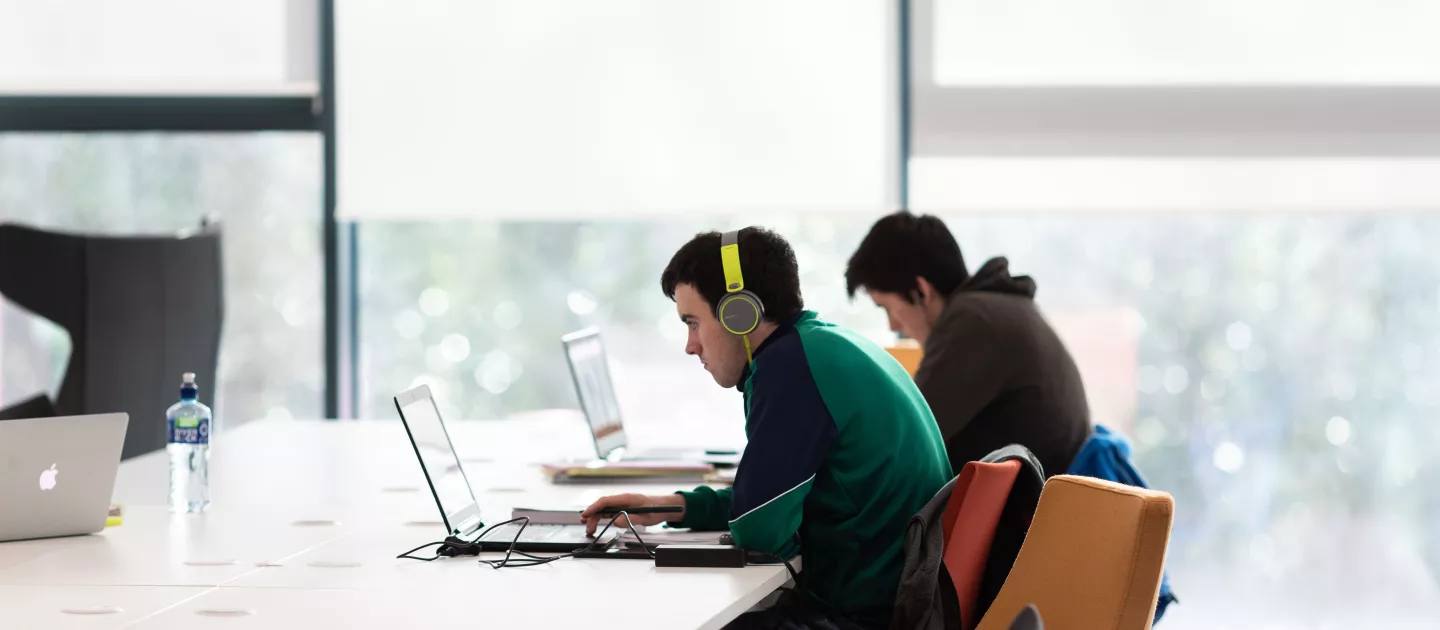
x=189 y=426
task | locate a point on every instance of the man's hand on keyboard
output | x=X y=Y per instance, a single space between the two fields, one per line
x=594 y=519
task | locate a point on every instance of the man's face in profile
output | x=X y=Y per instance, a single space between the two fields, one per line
x=721 y=353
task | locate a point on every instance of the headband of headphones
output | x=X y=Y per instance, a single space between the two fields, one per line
x=730 y=259
x=739 y=311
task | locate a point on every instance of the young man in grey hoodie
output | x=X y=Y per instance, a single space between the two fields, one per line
x=994 y=372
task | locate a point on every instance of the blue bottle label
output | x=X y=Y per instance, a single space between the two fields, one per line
x=189 y=430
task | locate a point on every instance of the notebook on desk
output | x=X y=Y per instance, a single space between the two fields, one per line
x=629 y=471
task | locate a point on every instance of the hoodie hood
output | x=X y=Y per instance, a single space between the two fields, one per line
x=994 y=276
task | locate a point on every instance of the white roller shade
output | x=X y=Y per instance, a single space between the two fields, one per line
x=161 y=47
x=1169 y=42
x=1175 y=105
x=625 y=108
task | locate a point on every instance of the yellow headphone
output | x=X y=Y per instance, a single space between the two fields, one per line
x=740 y=311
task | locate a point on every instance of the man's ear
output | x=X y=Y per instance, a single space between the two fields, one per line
x=924 y=289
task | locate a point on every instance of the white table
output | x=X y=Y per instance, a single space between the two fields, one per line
x=307 y=520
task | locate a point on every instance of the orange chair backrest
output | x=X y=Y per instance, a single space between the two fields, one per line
x=1092 y=559
x=970 y=519
x=908 y=356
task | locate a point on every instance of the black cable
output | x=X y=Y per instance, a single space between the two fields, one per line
x=794 y=575
x=533 y=560
x=538 y=560
x=455 y=546
x=407 y=556
x=801 y=591
x=451 y=546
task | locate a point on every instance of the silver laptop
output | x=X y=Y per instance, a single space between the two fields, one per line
x=590 y=371
x=451 y=487
x=57 y=474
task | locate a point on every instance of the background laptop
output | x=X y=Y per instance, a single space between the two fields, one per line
x=451 y=487
x=590 y=370
x=57 y=474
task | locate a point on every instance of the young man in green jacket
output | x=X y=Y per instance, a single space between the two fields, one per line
x=842 y=447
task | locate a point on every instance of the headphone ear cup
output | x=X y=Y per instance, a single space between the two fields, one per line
x=740 y=312
x=759 y=308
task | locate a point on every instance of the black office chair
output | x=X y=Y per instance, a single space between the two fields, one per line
x=33 y=407
x=140 y=312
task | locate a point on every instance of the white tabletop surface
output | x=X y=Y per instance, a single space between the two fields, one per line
x=307 y=519
x=87 y=607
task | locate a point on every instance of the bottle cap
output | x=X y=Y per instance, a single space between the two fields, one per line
x=188 y=378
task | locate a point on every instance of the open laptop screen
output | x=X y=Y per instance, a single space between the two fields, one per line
x=586 y=355
x=437 y=458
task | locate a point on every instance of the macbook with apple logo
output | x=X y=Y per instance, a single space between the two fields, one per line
x=57 y=474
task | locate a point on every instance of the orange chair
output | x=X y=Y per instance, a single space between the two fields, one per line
x=970 y=520
x=909 y=356
x=1092 y=559
x=961 y=545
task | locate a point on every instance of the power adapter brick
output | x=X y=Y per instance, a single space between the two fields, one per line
x=699 y=556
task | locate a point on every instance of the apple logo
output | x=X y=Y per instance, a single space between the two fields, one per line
x=47 y=478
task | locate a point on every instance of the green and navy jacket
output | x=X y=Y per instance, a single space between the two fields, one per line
x=842 y=452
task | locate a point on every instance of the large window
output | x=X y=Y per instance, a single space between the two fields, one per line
x=1278 y=374
x=265 y=191
x=1228 y=207
x=478 y=308
x=1283 y=374
x=161 y=79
